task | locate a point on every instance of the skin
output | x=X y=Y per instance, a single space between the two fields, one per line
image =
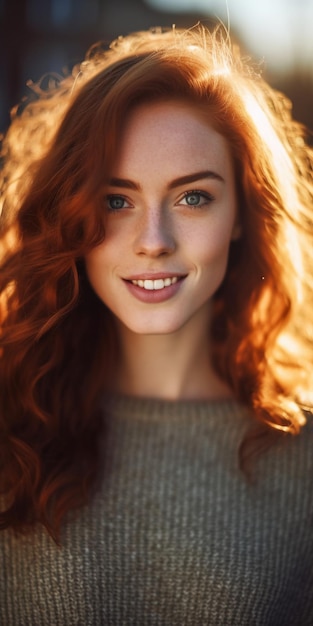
x=160 y=227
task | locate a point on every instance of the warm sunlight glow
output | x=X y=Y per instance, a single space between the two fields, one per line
x=283 y=169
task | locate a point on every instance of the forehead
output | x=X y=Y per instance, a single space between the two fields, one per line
x=173 y=133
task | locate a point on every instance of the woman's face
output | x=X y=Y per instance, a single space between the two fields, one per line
x=170 y=214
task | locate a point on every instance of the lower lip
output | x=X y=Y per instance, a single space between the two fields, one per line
x=154 y=296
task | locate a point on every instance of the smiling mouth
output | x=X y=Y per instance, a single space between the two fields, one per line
x=155 y=285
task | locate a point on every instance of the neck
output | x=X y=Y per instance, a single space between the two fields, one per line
x=172 y=366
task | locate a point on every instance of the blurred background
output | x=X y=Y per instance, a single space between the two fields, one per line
x=39 y=36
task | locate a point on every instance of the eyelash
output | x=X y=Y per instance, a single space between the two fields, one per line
x=195 y=192
x=116 y=197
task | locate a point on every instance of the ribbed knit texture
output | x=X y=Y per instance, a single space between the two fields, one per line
x=175 y=536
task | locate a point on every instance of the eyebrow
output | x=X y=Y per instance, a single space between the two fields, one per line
x=177 y=182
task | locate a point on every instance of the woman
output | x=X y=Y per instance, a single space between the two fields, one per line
x=157 y=344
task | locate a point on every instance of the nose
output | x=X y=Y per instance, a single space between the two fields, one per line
x=155 y=235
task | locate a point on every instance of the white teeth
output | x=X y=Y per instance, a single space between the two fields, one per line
x=157 y=284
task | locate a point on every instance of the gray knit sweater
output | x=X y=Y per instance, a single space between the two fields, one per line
x=175 y=536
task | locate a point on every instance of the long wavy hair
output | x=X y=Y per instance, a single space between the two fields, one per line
x=57 y=338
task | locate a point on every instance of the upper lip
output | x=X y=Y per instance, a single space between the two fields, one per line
x=154 y=275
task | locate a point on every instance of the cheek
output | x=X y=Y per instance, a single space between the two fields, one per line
x=96 y=264
x=212 y=245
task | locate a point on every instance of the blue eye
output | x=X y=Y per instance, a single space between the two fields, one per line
x=196 y=198
x=115 y=202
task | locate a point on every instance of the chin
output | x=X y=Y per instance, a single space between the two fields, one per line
x=154 y=328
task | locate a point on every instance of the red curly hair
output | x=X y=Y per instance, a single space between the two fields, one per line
x=55 y=349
